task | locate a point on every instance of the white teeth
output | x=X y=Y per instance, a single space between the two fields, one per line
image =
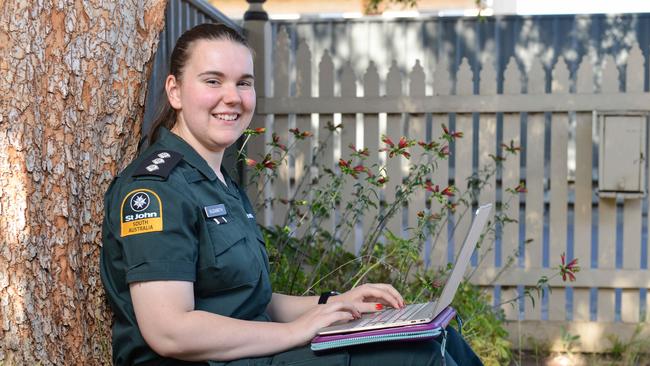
x=226 y=117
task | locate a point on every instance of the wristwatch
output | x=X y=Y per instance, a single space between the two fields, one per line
x=326 y=295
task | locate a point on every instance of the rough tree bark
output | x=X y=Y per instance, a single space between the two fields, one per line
x=72 y=85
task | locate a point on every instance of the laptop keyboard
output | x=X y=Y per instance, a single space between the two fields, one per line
x=392 y=315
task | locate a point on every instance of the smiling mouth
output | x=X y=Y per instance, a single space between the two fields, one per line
x=226 y=116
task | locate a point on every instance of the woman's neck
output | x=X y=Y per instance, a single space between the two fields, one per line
x=213 y=158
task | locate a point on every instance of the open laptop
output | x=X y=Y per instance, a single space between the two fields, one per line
x=424 y=312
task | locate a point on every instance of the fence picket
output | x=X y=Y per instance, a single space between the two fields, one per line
x=558 y=210
x=417 y=130
x=463 y=156
x=632 y=215
x=349 y=137
x=607 y=215
x=534 y=199
x=325 y=136
x=487 y=135
x=606 y=254
x=510 y=179
x=303 y=151
x=535 y=182
x=394 y=165
x=440 y=176
x=281 y=189
x=281 y=65
x=583 y=191
x=371 y=139
x=630 y=309
x=582 y=210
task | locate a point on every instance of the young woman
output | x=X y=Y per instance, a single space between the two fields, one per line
x=183 y=261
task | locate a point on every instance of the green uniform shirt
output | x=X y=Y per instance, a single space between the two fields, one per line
x=168 y=217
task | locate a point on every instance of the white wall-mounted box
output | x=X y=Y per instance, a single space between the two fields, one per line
x=622 y=154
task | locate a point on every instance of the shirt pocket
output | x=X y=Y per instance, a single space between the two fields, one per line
x=235 y=264
x=262 y=248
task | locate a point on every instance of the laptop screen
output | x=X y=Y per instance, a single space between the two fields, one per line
x=463 y=259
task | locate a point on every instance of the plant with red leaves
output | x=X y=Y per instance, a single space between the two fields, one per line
x=511 y=148
x=450 y=135
x=300 y=135
x=428 y=146
x=359 y=153
x=269 y=163
x=275 y=142
x=520 y=188
x=443 y=152
x=569 y=269
x=347 y=168
x=254 y=131
x=399 y=149
x=250 y=162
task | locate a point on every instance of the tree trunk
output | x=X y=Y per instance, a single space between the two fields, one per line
x=72 y=86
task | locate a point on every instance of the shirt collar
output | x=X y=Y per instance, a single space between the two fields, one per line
x=173 y=142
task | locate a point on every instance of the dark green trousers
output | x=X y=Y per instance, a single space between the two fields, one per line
x=411 y=353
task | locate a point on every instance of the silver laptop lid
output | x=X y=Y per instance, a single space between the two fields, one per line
x=464 y=256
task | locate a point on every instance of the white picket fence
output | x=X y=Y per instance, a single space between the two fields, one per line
x=607 y=297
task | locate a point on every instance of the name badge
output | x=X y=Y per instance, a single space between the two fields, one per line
x=215 y=210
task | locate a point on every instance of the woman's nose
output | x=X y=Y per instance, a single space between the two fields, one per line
x=231 y=95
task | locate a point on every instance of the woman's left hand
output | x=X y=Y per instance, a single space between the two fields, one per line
x=371 y=297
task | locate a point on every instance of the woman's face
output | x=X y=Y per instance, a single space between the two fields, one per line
x=215 y=97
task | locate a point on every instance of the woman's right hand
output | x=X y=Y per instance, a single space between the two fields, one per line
x=304 y=328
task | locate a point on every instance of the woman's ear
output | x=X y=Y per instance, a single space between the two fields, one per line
x=173 y=90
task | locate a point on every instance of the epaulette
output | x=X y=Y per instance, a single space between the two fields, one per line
x=159 y=163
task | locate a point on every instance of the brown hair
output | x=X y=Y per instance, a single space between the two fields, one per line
x=166 y=116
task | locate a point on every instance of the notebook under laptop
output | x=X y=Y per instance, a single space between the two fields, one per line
x=424 y=312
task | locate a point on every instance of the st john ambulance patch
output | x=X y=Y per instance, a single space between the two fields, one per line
x=141 y=212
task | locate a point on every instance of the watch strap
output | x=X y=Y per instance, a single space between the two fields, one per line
x=325 y=296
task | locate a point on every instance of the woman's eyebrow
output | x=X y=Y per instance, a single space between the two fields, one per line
x=221 y=74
